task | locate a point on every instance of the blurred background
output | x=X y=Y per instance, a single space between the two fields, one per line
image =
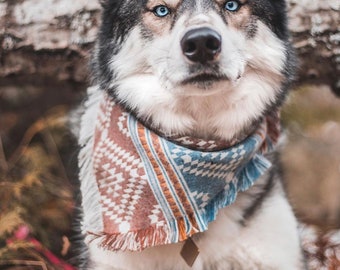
x=44 y=51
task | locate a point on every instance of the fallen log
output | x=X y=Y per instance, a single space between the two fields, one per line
x=53 y=39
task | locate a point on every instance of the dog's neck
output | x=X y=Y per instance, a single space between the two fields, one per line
x=225 y=113
x=208 y=117
x=202 y=127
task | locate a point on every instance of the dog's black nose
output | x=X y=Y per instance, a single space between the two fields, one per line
x=201 y=45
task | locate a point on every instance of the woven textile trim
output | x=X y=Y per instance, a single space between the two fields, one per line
x=151 y=191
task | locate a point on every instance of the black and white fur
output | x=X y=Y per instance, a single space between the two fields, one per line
x=140 y=61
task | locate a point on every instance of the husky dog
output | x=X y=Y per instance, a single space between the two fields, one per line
x=207 y=69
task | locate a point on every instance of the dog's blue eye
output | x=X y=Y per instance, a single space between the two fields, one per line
x=232 y=5
x=161 y=11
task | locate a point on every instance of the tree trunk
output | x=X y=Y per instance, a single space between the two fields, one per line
x=315 y=27
x=52 y=38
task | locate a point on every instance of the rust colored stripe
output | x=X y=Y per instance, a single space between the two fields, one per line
x=166 y=191
x=176 y=183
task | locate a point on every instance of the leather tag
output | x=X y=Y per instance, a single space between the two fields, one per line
x=190 y=252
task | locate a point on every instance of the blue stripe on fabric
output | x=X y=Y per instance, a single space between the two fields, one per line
x=165 y=149
x=151 y=176
x=168 y=181
x=197 y=211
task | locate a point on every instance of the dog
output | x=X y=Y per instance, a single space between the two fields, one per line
x=171 y=77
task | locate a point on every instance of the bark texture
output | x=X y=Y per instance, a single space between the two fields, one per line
x=52 y=38
x=315 y=28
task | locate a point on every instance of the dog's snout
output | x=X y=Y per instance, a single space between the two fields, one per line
x=201 y=45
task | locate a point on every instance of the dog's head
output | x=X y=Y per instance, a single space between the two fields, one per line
x=209 y=68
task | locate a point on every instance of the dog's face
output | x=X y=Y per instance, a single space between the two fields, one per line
x=207 y=68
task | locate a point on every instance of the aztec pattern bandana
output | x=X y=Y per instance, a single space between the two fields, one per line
x=154 y=191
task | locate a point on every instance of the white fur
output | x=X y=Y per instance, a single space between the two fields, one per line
x=92 y=209
x=150 y=83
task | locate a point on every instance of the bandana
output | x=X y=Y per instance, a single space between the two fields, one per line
x=142 y=190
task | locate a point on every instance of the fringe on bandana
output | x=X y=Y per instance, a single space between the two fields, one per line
x=142 y=190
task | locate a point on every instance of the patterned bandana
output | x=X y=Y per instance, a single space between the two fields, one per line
x=147 y=190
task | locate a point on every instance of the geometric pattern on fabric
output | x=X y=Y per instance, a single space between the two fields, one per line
x=155 y=191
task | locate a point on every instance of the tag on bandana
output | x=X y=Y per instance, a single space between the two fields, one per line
x=190 y=252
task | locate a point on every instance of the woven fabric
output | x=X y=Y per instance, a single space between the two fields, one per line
x=154 y=191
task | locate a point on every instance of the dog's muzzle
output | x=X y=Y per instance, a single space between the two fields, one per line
x=201 y=45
